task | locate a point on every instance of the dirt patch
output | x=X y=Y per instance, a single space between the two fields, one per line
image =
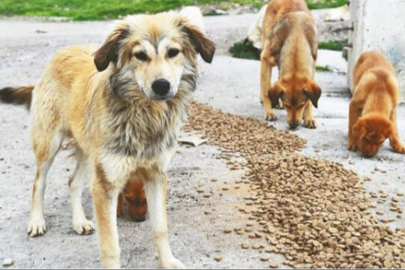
x=312 y=211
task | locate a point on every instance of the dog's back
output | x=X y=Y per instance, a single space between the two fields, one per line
x=375 y=82
x=277 y=9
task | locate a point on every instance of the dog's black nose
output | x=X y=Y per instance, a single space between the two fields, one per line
x=293 y=125
x=161 y=87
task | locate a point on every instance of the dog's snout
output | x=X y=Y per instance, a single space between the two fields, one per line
x=293 y=124
x=161 y=87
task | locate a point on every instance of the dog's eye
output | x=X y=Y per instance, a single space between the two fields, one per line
x=141 y=56
x=173 y=53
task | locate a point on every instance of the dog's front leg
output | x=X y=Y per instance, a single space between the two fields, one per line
x=309 y=120
x=395 y=141
x=354 y=114
x=155 y=188
x=265 y=84
x=105 y=197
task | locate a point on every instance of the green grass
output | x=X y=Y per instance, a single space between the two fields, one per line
x=318 y=4
x=244 y=51
x=97 y=9
x=112 y=9
x=334 y=45
x=324 y=69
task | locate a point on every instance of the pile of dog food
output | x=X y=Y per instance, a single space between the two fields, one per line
x=312 y=211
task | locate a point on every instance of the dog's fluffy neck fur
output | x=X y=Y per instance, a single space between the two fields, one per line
x=141 y=127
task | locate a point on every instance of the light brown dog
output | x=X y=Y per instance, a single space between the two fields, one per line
x=290 y=42
x=373 y=107
x=132 y=200
x=123 y=106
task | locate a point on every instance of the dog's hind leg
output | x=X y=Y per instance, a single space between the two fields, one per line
x=155 y=188
x=45 y=148
x=76 y=186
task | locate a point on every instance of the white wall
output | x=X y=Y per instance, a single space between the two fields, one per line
x=379 y=25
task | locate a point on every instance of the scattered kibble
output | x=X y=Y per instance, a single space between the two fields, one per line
x=312 y=211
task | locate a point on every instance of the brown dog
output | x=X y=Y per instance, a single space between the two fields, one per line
x=290 y=42
x=372 y=112
x=134 y=198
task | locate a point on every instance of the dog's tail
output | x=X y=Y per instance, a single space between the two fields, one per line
x=17 y=95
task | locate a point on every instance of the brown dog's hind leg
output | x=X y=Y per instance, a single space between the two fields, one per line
x=309 y=120
x=395 y=141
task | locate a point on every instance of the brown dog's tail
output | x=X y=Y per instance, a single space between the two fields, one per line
x=17 y=95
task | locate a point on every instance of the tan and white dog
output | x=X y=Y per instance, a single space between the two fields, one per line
x=290 y=42
x=123 y=106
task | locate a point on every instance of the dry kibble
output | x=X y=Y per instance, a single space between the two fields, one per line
x=218 y=258
x=274 y=265
x=312 y=211
x=265 y=258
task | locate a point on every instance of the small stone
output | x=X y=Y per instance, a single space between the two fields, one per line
x=245 y=246
x=214 y=180
x=8 y=262
x=227 y=230
x=207 y=212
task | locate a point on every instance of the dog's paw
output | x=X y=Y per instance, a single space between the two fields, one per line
x=270 y=116
x=83 y=227
x=400 y=148
x=309 y=124
x=172 y=263
x=36 y=227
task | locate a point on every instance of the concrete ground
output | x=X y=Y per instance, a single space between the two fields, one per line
x=229 y=84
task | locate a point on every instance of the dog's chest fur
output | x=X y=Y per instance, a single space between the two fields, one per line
x=145 y=129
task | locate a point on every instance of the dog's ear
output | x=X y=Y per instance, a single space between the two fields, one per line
x=313 y=92
x=110 y=49
x=275 y=93
x=359 y=130
x=204 y=46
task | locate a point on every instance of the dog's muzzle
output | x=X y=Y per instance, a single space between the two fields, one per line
x=162 y=89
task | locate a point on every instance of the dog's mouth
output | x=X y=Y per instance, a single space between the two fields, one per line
x=162 y=97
